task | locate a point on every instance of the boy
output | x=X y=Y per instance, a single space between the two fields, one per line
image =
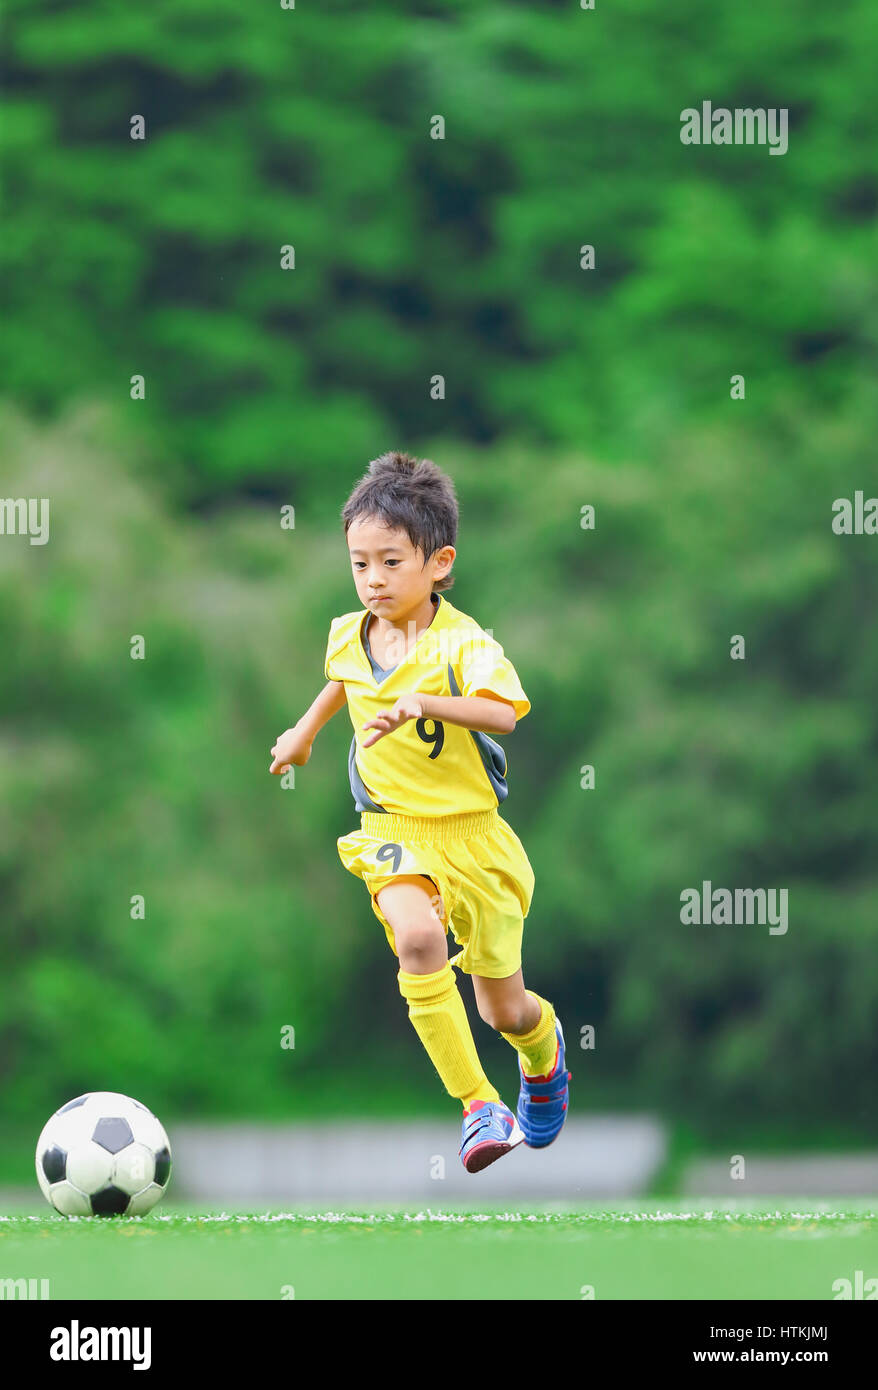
x=432 y=849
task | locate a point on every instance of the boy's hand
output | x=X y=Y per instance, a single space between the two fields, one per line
x=293 y=746
x=407 y=707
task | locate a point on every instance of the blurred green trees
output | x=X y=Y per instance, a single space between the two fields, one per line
x=126 y=777
x=565 y=387
x=416 y=256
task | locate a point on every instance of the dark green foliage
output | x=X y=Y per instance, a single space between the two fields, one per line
x=417 y=256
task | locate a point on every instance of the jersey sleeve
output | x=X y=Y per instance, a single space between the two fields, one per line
x=485 y=670
x=334 y=646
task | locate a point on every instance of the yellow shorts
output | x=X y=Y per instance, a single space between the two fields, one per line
x=478 y=865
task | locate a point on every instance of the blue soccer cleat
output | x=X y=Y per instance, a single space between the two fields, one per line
x=542 y=1101
x=490 y=1130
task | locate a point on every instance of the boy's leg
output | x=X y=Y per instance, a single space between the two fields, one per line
x=427 y=983
x=522 y=1018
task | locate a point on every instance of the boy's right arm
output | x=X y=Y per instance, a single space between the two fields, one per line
x=294 y=745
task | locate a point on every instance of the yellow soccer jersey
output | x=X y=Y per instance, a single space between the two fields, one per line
x=425 y=767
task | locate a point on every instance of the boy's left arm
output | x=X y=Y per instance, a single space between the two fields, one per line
x=488 y=713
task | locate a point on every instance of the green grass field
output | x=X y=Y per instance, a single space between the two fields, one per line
x=759 y=1249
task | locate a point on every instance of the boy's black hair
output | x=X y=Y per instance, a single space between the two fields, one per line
x=412 y=495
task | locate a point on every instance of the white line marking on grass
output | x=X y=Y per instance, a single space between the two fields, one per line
x=453 y=1218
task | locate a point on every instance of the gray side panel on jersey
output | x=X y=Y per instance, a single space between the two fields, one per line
x=492 y=755
x=362 y=799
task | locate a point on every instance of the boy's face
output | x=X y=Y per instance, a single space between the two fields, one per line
x=389 y=572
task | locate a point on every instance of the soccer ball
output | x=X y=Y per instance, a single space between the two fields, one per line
x=103 y=1154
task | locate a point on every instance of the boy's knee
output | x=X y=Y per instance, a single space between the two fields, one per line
x=418 y=929
x=503 y=1018
x=418 y=946
x=497 y=1018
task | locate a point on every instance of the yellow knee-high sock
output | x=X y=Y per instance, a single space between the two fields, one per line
x=538 y=1048
x=439 y=1018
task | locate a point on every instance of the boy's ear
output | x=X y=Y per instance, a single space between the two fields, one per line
x=441 y=551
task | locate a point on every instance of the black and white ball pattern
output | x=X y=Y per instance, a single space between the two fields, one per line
x=103 y=1154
